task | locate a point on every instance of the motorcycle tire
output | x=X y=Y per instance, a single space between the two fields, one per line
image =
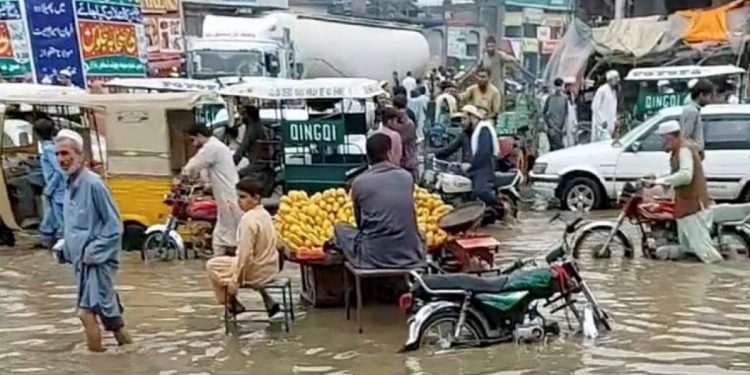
x=471 y=325
x=156 y=247
x=603 y=253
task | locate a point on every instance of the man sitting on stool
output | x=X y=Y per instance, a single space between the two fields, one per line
x=386 y=235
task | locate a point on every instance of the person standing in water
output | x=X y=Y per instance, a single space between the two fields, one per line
x=92 y=240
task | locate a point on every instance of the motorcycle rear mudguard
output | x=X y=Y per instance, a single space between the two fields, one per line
x=172 y=234
x=417 y=321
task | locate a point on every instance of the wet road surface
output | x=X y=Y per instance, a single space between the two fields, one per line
x=670 y=318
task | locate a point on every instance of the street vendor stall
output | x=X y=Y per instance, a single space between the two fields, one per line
x=321 y=124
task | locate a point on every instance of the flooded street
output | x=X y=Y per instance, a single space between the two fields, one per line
x=670 y=318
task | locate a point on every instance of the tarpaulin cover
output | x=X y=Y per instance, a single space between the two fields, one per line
x=572 y=54
x=709 y=25
x=635 y=37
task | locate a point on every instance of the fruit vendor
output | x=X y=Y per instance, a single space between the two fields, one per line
x=386 y=235
x=215 y=158
x=257 y=261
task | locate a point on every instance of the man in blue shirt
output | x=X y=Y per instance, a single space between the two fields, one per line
x=51 y=227
x=92 y=241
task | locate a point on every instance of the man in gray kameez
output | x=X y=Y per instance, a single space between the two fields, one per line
x=690 y=122
x=386 y=235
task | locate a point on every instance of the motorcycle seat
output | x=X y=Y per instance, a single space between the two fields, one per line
x=471 y=283
x=727 y=213
x=503 y=179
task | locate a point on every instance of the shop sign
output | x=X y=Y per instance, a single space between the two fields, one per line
x=161 y=6
x=15 y=58
x=650 y=102
x=315 y=131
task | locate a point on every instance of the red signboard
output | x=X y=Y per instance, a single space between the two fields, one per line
x=100 y=39
x=6 y=48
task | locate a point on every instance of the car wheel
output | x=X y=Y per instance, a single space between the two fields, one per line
x=581 y=194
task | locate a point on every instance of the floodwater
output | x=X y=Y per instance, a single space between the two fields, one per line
x=670 y=318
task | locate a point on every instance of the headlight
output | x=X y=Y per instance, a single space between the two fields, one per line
x=539 y=168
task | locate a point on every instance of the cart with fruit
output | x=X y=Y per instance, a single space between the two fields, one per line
x=305 y=223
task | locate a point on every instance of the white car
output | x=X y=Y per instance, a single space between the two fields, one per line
x=589 y=176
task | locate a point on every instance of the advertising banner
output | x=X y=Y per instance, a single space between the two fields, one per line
x=15 y=60
x=54 y=40
x=112 y=37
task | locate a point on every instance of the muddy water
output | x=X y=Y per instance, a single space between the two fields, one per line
x=671 y=318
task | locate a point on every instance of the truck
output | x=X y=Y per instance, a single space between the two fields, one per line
x=289 y=45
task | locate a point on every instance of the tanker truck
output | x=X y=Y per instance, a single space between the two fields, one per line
x=283 y=44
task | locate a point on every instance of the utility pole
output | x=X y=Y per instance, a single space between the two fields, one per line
x=500 y=21
x=447 y=6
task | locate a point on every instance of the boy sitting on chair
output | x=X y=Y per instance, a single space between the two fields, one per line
x=256 y=262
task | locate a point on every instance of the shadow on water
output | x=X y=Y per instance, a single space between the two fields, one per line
x=671 y=318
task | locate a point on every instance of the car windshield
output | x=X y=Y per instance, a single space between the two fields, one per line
x=228 y=63
x=632 y=135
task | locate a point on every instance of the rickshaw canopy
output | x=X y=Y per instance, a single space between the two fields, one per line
x=681 y=73
x=83 y=99
x=165 y=84
x=317 y=88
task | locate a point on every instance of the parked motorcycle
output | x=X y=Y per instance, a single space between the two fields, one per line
x=196 y=213
x=654 y=217
x=448 y=310
x=446 y=179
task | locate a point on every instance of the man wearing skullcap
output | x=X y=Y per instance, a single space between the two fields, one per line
x=92 y=239
x=604 y=108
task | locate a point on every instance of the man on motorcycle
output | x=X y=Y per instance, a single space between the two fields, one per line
x=479 y=147
x=215 y=158
x=691 y=208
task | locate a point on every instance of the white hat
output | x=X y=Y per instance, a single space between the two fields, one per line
x=71 y=136
x=612 y=74
x=662 y=82
x=65 y=73
x=692 y=82
x=472 y=110
x=668 y=127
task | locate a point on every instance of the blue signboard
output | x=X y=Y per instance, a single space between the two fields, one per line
x=542 y=4
x=54 y=39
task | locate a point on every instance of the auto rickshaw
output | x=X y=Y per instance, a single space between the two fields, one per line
x=321 y=124
x=136 y=142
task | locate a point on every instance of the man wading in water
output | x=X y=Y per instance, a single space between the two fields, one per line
x=92 y=242
x=691 y=200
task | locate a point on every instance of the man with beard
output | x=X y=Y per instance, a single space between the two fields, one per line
x=604 y=108
x=484 y=94
x=92 y=239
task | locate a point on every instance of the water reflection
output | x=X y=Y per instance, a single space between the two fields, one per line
x=670 y=318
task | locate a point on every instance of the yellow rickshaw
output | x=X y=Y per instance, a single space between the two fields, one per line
x=135 y=141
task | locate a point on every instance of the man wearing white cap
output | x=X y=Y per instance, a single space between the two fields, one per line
x=92 y=239
x=604 y=108
x=691 y=199
x=64 y=78
x=481 y=163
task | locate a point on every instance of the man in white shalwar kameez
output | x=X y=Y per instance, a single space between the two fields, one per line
x=215 y=159
x=604 y=109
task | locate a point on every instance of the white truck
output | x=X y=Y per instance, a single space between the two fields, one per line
x=283 y=44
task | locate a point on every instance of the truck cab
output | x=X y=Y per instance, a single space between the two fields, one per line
x=214 y=57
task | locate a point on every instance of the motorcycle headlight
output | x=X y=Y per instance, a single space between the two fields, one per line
x=539 y=168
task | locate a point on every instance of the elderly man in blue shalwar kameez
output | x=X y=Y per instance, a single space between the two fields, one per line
x=92 y=240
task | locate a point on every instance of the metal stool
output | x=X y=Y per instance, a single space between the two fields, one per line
x=282 y=286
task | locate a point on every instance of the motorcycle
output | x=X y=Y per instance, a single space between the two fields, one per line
x=446 y=179
x=655 y=220
x=195 y=212
x=466 y=310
